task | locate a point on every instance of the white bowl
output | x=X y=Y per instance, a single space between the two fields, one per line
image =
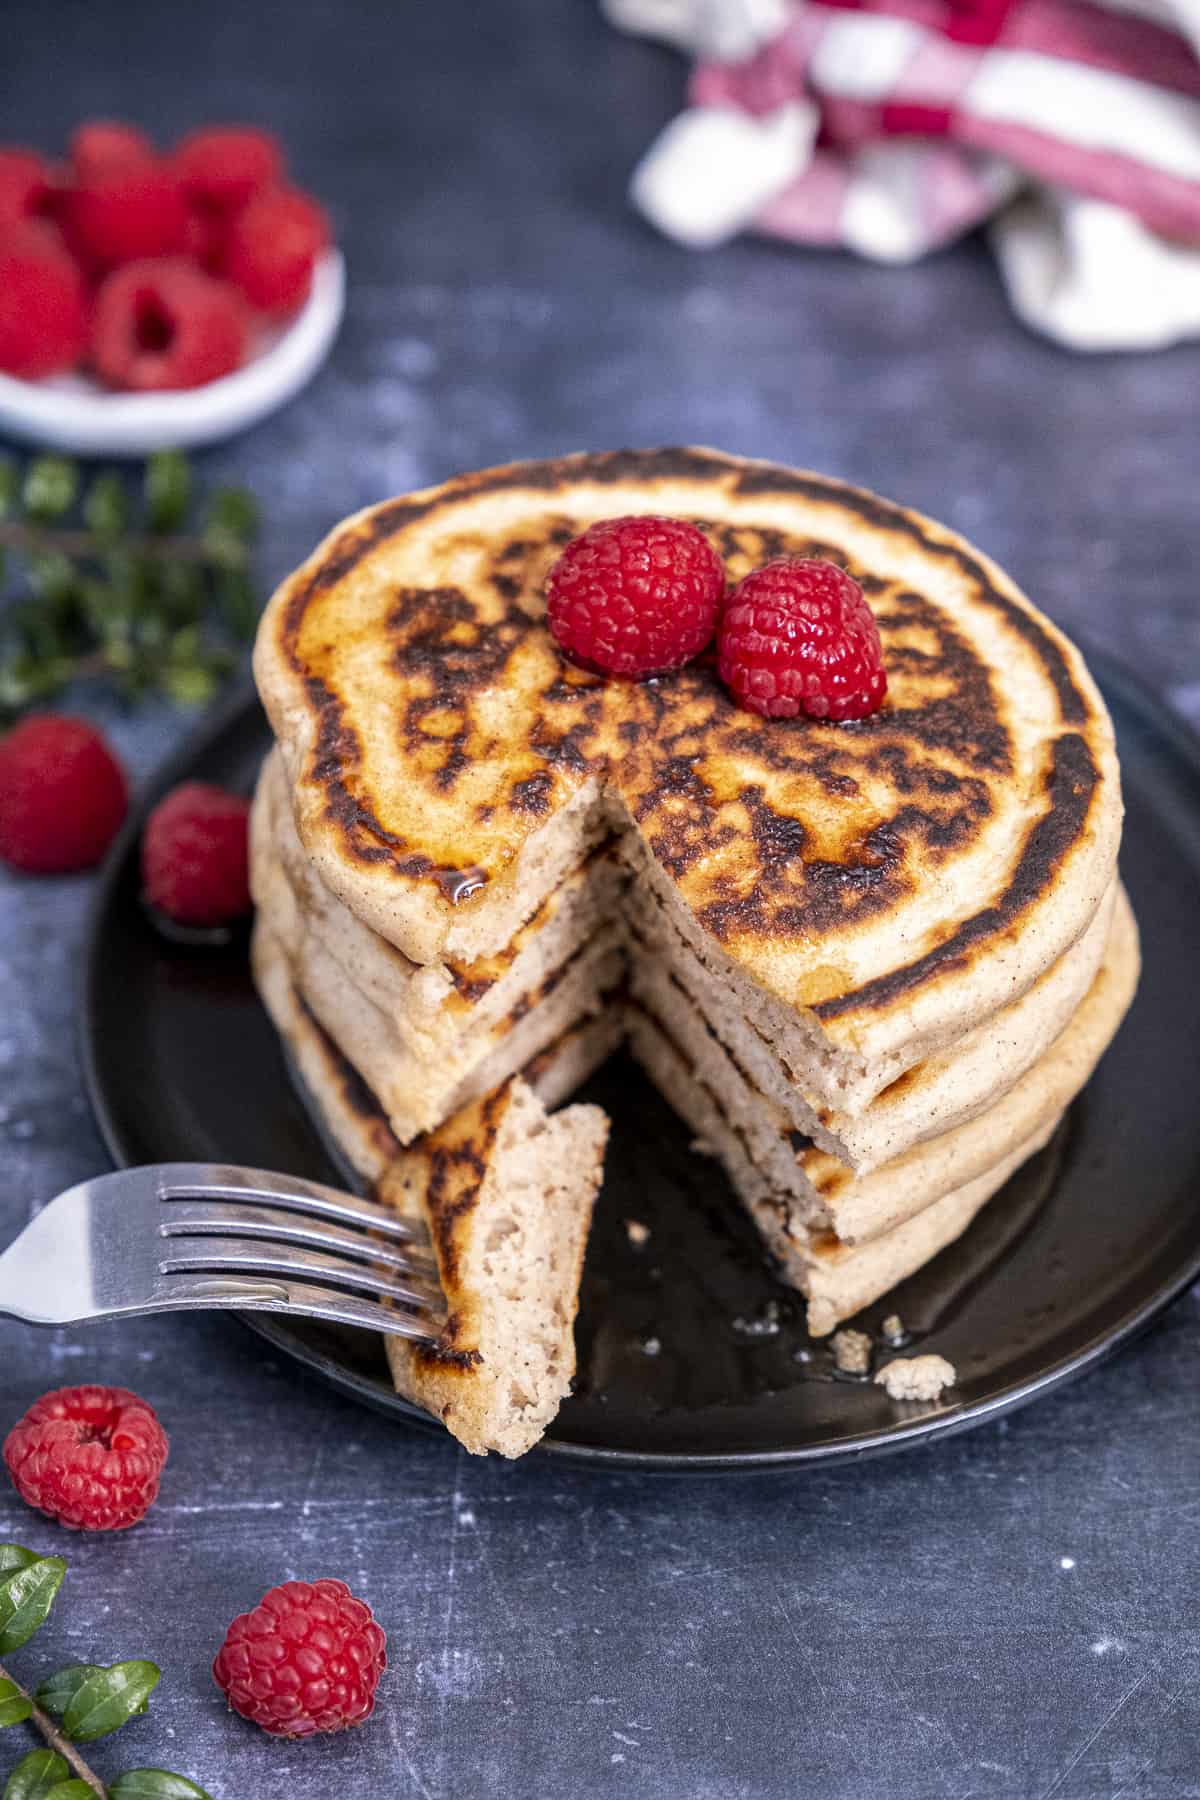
x=71 y=413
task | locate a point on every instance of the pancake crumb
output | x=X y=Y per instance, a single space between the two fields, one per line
x=851 y=1352
x=893 y=1332
x=765 y=1323
x=637 y=1233
x=916 y=1377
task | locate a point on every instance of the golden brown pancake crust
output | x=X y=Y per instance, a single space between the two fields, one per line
x=806 y=851
x=456 y=1158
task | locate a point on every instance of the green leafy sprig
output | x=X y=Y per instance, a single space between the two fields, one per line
x=151 y=599
x=75 y=1706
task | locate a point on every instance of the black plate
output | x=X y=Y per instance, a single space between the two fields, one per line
x=690 y=1354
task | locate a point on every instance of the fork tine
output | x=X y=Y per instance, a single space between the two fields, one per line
x=204 y=1218
x=238 y=1256
x=180 y=1293
x=259 y=1187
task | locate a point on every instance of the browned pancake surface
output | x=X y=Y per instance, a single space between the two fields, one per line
x=788 y=833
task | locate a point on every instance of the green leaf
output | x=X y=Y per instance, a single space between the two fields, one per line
x=71 y=1790
x=26 y=1596
x=107 y=610
x=10 y=487
x=54 y=576
x=14 y=1707
x=36 y=1775
x=238 y=603
x=19 y=683
x=36 y=625
x=129 y=578
x=183 y=592
x=57 y=1693
x=168 y=489
x=151 y=632
x=155 y=1784
x=190 y=685
x=16 y=1556
x=156 y=619
x=108 y=1698
x=24 y=679
x=106 y=506
x=233 y=513
x=185 y=644
x=51 y=487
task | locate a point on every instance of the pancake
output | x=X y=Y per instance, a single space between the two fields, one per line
x=344 y=1106
x=348 y=1111
x=431 y=1006
x=506 y=1195
x=843 y=1240
x=451 y=1016
x=870 y=892
x=928 y=1100
x=421 y=1086
x=868 y=1234
x=838 y=1280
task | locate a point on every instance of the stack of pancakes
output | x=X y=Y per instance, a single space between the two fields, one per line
x=870 y=964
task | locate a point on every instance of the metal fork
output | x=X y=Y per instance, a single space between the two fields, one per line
x=173 y=1237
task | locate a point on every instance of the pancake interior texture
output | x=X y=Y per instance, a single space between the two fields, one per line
x=875 y=889
x=506 y=1194
x=869 y=963
x=866 y=1235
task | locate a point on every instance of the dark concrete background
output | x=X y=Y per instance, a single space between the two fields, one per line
x=1013 y=1614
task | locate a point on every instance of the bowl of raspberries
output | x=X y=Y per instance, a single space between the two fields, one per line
x=154 y=298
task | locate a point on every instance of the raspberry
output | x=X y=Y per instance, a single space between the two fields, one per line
x=797 y=636
x=206 y=241
x=273 y=246
x=102 y=144
x=222 y=166
x=38 y=234
x=43 y=307
x=195 y=855
x=90 y=1457
x=62 y=794
x=24 y=185
x=165 y=324
x=635 y=596
x=123 y=212
x=307 y=1659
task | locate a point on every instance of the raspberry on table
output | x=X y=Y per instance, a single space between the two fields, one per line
x=24 y=184
x=63 y=793
x=90 y=1457
x=635 y=596
x=308 y=1658
x=102 y=144
x=221 y=166
x=124 y=211
x=797 y=636
x=272 y=248
x=163 y=323
x=196 y=855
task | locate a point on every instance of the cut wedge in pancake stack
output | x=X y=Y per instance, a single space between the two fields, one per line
x=869 y=963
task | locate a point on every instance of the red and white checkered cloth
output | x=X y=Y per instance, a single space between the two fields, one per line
x=891 y=127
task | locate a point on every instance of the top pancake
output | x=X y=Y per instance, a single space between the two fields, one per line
x=893 y=878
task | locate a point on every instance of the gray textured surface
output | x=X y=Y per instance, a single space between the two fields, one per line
x=1011 y=1615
